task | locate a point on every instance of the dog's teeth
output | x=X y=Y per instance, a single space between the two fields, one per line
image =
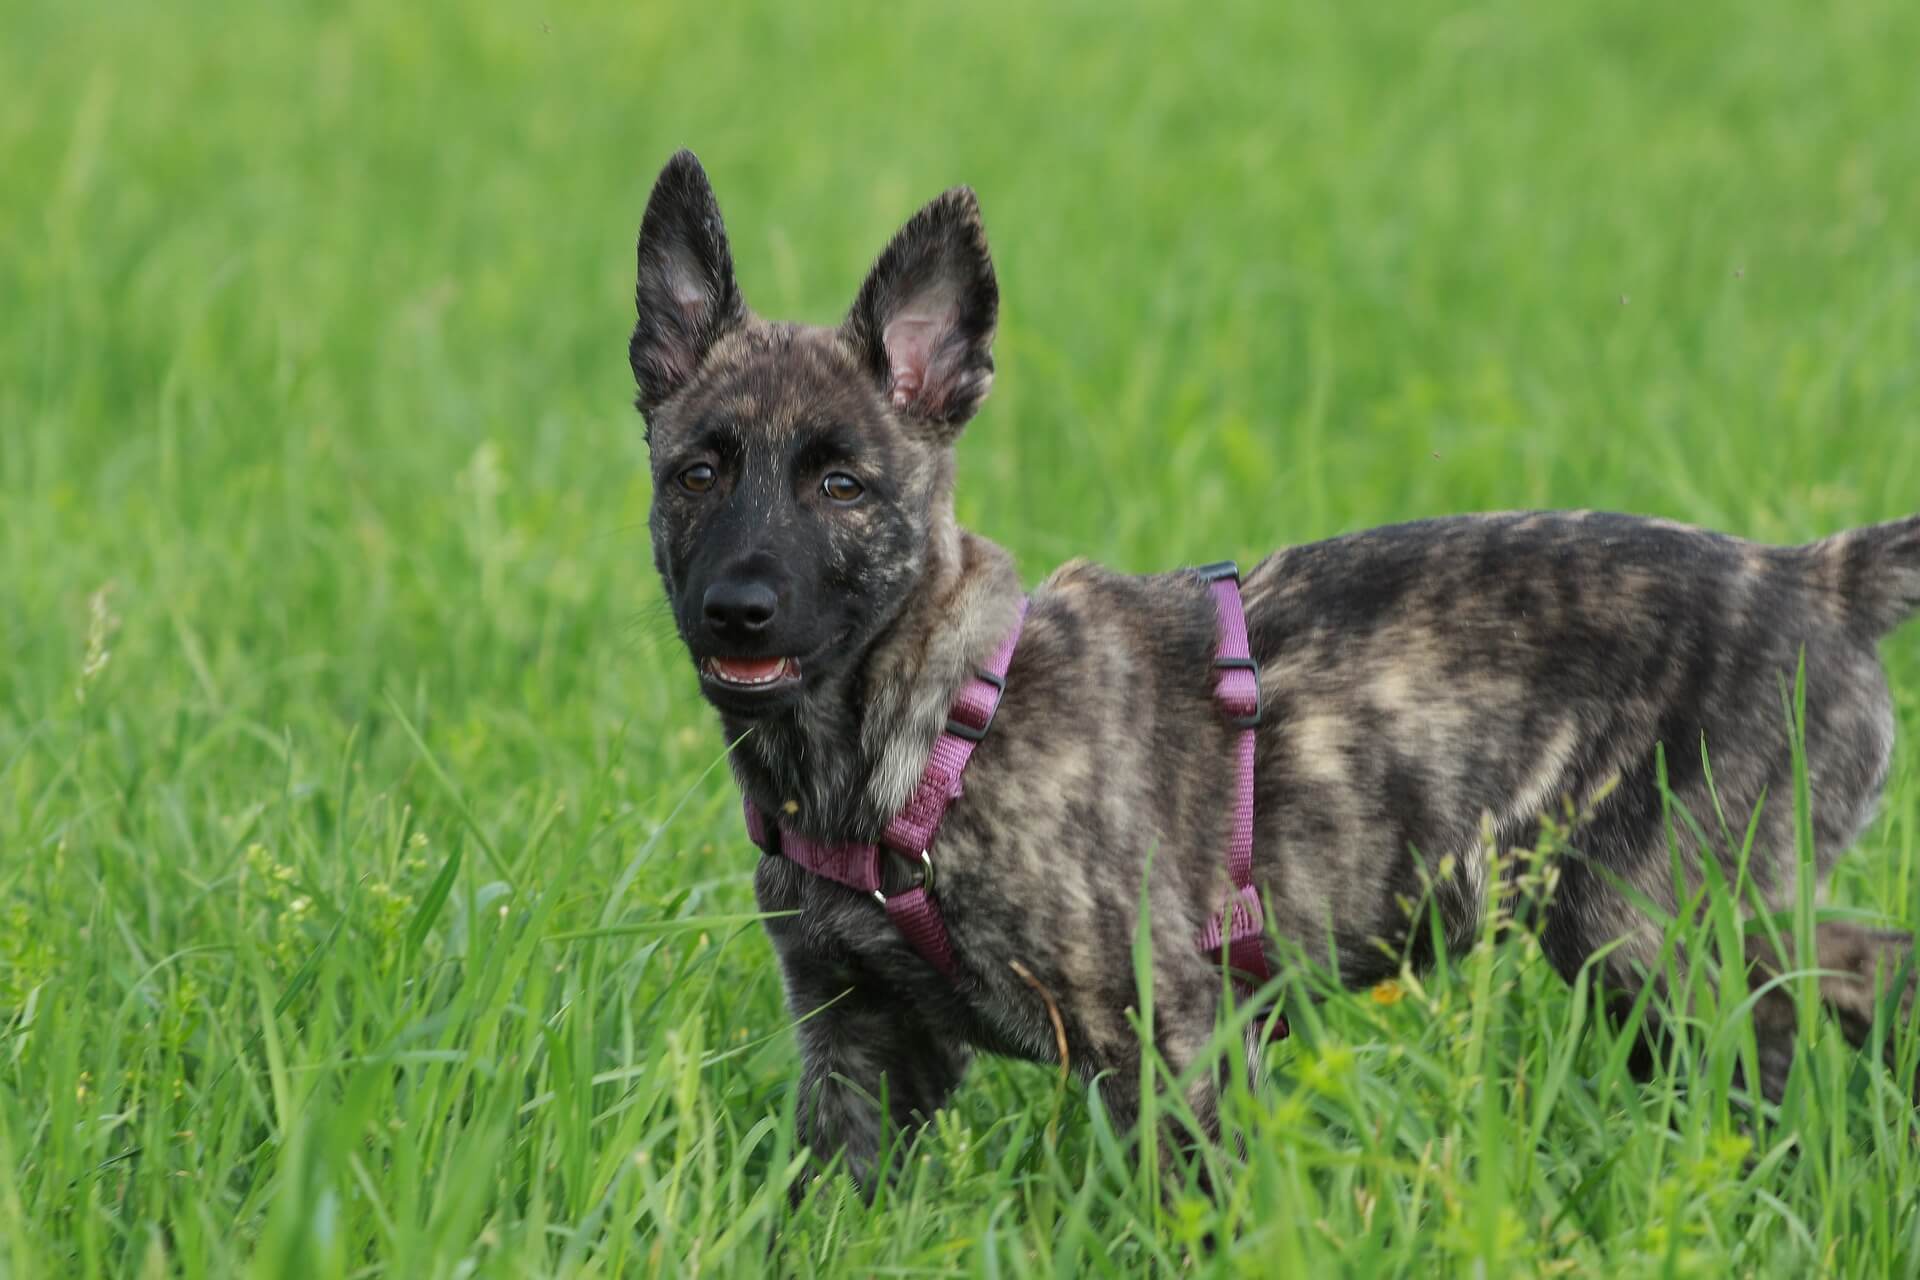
x=749 y=673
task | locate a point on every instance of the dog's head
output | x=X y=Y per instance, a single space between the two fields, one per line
x=801 y=474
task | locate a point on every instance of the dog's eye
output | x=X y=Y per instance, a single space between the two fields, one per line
x=697 y=478
x=841 y=487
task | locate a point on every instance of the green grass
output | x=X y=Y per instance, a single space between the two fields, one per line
x=337 y=711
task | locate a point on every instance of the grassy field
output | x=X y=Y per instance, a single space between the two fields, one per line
x=371 y=889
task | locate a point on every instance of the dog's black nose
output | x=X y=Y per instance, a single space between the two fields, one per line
x=739 y=609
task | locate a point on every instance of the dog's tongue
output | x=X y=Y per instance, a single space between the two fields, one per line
x=748 y=670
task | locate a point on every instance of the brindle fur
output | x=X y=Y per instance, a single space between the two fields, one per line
x=1426 y=685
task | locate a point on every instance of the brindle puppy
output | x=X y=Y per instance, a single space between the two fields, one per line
x=1427 y=686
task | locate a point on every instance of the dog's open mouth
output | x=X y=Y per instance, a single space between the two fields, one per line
x=751 y=673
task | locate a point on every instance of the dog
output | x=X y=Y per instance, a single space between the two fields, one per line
x=1429 y=694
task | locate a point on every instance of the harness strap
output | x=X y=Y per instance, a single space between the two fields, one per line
x=915 y=913
x=1238 y=928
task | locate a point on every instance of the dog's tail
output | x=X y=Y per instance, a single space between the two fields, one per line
x=1875 y=572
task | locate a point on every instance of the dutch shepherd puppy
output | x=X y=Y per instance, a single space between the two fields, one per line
x=1429 y=694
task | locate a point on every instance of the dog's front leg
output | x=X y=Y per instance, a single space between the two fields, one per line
x=1185 y=1060
x=873 y=1061
x=874 y=1070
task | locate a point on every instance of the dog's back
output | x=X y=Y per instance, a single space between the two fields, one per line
x=1439 y=688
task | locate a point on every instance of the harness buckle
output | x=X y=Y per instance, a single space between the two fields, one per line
x=926 y=878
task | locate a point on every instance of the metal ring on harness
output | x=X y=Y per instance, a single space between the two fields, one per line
x=926 y=878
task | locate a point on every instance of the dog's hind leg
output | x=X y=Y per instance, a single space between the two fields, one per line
x=1857 y=970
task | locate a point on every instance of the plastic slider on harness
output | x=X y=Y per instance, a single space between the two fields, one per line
x=1242 y=710
x=960 y=728
x=1241 y=719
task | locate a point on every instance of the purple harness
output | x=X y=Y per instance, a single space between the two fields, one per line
x=916 y=914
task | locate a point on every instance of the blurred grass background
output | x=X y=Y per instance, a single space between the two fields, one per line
x=332 y=680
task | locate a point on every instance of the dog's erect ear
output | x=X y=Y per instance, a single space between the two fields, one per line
x=924 y=319
x=685 y=294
